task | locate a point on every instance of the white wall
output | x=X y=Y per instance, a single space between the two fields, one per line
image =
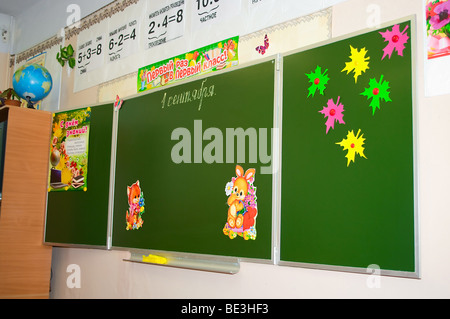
x=5 y=24
x=105 y=275
x=45 y=19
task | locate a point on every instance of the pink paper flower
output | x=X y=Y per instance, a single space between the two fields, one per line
x=334 y=113
x=396 y=39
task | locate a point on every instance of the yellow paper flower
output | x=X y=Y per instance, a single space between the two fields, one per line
x=354 y=145
x=359 y=62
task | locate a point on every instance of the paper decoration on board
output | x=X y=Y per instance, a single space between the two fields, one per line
x=354 y=145
x=359 y=62
x=334 y=113
x=318 y=81
x=261 y=49
x=136 y=205
x=396 y=39
x=377 y=91
x=118 y=103
x=438 y=28
x=243 y=208
x=69 y=150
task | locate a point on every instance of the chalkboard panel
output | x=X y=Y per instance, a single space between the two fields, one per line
x=182 y=144
x=78 y=218
x=349 y=212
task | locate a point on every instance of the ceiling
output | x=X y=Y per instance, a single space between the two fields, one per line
x=15 y=7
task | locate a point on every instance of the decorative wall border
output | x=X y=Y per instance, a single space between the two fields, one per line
x=41 y=47
x=96 y=17
x=291 y=23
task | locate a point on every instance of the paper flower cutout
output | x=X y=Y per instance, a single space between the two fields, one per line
x=377 y=91
x=359 y=62
x=261 y=49
x=334 y=113
x=396 y=39
x=319 y=81
x=354 y=145
x=118 y=103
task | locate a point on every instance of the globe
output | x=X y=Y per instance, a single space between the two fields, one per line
x=32 y=82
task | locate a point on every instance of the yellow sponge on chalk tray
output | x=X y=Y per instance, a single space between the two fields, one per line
x=154 y=259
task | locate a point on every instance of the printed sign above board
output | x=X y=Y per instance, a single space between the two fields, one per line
x=209 y=11
x=150 y=31
x=164 y=23
x=214 y=57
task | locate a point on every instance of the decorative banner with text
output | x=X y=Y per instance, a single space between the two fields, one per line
x=214 y=57
x=69 y=150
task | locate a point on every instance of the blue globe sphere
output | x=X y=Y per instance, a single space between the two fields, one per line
x=33 y=82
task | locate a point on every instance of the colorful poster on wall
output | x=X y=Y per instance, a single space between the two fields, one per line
x=438 y=28
x=69 y=150
x=437 y=24
x=214 y=57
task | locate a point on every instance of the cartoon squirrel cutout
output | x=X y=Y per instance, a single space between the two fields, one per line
x=241 y=216
x=136 y=206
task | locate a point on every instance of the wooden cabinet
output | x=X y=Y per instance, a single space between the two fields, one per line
x=25 y=263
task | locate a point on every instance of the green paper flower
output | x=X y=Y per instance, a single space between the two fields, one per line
x=318 y=80
x=377 y=91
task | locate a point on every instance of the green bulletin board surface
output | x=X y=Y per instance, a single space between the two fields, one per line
x=185 y=203
x=364 y=213
x=79 y=218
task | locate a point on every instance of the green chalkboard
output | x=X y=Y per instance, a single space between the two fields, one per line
x=79 y=218
x=182 y=144
x=358 y=213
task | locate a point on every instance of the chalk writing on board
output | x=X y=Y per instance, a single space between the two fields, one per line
x=189 y=96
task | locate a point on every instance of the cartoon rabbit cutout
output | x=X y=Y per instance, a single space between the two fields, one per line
x=241 y=215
